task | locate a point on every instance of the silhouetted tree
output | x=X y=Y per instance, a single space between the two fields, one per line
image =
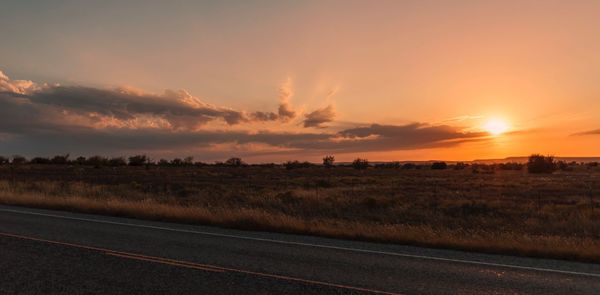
x=360 y=164
x=328 y=161
x=4 y=160
x=188 y=161
x=163 y=162
x=177 y=162
x=138 y=160
x=234 y=162
x=541 y=164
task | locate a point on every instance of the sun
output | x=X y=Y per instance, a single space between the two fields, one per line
x=496 y=126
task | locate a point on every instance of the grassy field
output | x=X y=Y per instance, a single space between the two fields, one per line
x=512 y=212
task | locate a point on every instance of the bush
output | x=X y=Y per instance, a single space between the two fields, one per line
x=408 y=166
x=39 y=161
x=510 y=166
x=80 y=161
x=4 y=160
x=289 y=165
x=390 y=165
x=60 y=160
x=360 y=164
x=439 y=166
x=541 y=164
x=328 y=161
x=118 y=161
x=96 y=161
x=460 y=166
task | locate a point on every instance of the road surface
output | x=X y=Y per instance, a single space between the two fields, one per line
x=53 y=252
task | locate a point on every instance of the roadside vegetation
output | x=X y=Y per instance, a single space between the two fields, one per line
x=543 y=208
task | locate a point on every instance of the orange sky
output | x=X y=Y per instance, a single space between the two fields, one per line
x=338 y=66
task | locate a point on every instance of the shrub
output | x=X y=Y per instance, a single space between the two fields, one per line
x=328 y=161
x=289 y=165
x=39 y=161
x=97 y=161
x=408 y=166
x=541 y=164
x=439 y=166
x=138 y=160
x=188 y=161
x=80 y=161
x=117 y=161
x=460 y=166
x=60 y=160
x=390 y=165
x=360 y=164
x=4 y=160
x=510 y=166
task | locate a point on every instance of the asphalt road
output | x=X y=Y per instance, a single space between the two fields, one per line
x=52 y=252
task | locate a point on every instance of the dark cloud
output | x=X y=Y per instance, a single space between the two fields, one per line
x=319 y=117
x=590 y=132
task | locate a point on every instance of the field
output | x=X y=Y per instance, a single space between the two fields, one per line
x=497 y=211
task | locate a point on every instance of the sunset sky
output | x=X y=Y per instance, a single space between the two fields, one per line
x=271 y=81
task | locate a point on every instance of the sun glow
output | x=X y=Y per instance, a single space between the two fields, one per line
x=495 y=126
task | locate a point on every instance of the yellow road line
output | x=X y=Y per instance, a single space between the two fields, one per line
x=192 y=265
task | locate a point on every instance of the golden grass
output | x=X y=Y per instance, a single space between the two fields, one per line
x=501 y=242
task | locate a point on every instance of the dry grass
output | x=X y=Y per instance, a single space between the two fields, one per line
x=506 y=212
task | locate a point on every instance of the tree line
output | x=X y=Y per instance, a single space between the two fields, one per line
x=536 y=163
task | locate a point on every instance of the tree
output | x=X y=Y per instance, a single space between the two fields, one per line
x=4 y=160
x=328 y=161
x=234 y=162
x=541 y=164
x=138 y=160
x=360 y=164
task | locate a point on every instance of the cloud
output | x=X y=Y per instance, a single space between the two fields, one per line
x=589 y=132
x=53 y=119
x=285 y=110
x=126 y=106
x=319 y=117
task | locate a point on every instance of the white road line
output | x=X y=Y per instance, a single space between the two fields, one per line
x=310 y=245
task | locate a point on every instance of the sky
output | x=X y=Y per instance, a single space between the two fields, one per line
x=271 y=81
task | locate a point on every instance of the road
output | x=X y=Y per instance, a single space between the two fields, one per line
x=53 y=252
